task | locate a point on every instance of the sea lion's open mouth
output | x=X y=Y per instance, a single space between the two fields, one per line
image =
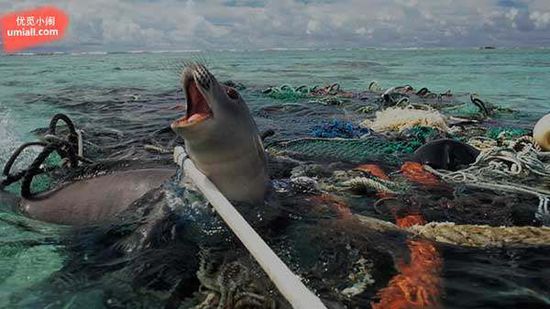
x=198 y=109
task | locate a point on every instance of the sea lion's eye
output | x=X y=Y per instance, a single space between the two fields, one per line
x=232 y=93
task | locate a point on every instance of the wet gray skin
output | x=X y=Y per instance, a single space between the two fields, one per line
x=221 y=137
x=95 y=199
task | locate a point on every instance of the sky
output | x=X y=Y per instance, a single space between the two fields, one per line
x=118 y=25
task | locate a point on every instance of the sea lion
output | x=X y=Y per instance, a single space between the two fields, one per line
x=446 y=154
x=221 y=137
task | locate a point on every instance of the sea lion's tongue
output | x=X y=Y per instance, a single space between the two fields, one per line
x=197 y=117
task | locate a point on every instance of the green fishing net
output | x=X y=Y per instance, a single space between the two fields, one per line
x=495 y=133
x=420 y=134
x=462 y=110
x=358 y=150
x=44 y=182
x=288 y=93
x=349 y=150
x=40 y=182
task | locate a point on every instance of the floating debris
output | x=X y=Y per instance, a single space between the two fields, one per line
x=339 y=128
x=399 y=119
x=541 y=132
x=481 y=236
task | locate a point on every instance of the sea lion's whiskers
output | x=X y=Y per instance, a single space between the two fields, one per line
x=175 y=67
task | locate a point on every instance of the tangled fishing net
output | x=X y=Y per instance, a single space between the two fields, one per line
x=516 y=168
x=505 y=132
x=339 y=128
x=374 y=86
x=287 y=92
x=399 y=119
x=362 y=180
x=345 y=141
x=328 y=95
x=357 y=150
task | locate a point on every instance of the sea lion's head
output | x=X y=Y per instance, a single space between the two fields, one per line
x=221 y=136
x=209 y=104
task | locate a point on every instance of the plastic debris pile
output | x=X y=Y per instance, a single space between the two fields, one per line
x=401 y=119
x=369 y=162
x=507 y=169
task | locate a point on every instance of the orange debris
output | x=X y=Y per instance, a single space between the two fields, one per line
x=419 y=283
x=414 y=171
x=410 y=220
x=374 y=170
x=342 y=210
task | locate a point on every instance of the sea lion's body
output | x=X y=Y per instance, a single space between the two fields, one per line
x=446 y=154
x=220 y=137
x=93 y=200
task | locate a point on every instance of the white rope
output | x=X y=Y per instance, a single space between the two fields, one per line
x=364 y=183
x=500 y=164
x=290 y=286
x=503 y=162
x=80 y=143
x=388 y=91
x=542 y=213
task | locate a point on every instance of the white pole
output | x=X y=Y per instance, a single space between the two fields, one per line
x=287 y=282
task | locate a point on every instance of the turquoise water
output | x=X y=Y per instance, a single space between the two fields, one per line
x=34 y=87
x=516 y=78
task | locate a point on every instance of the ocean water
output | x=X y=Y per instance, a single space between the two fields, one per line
x=515 y=78
x=121 y=99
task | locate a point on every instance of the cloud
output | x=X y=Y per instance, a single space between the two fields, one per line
x=540 y=20
x=212 y=24
x=512 y=4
